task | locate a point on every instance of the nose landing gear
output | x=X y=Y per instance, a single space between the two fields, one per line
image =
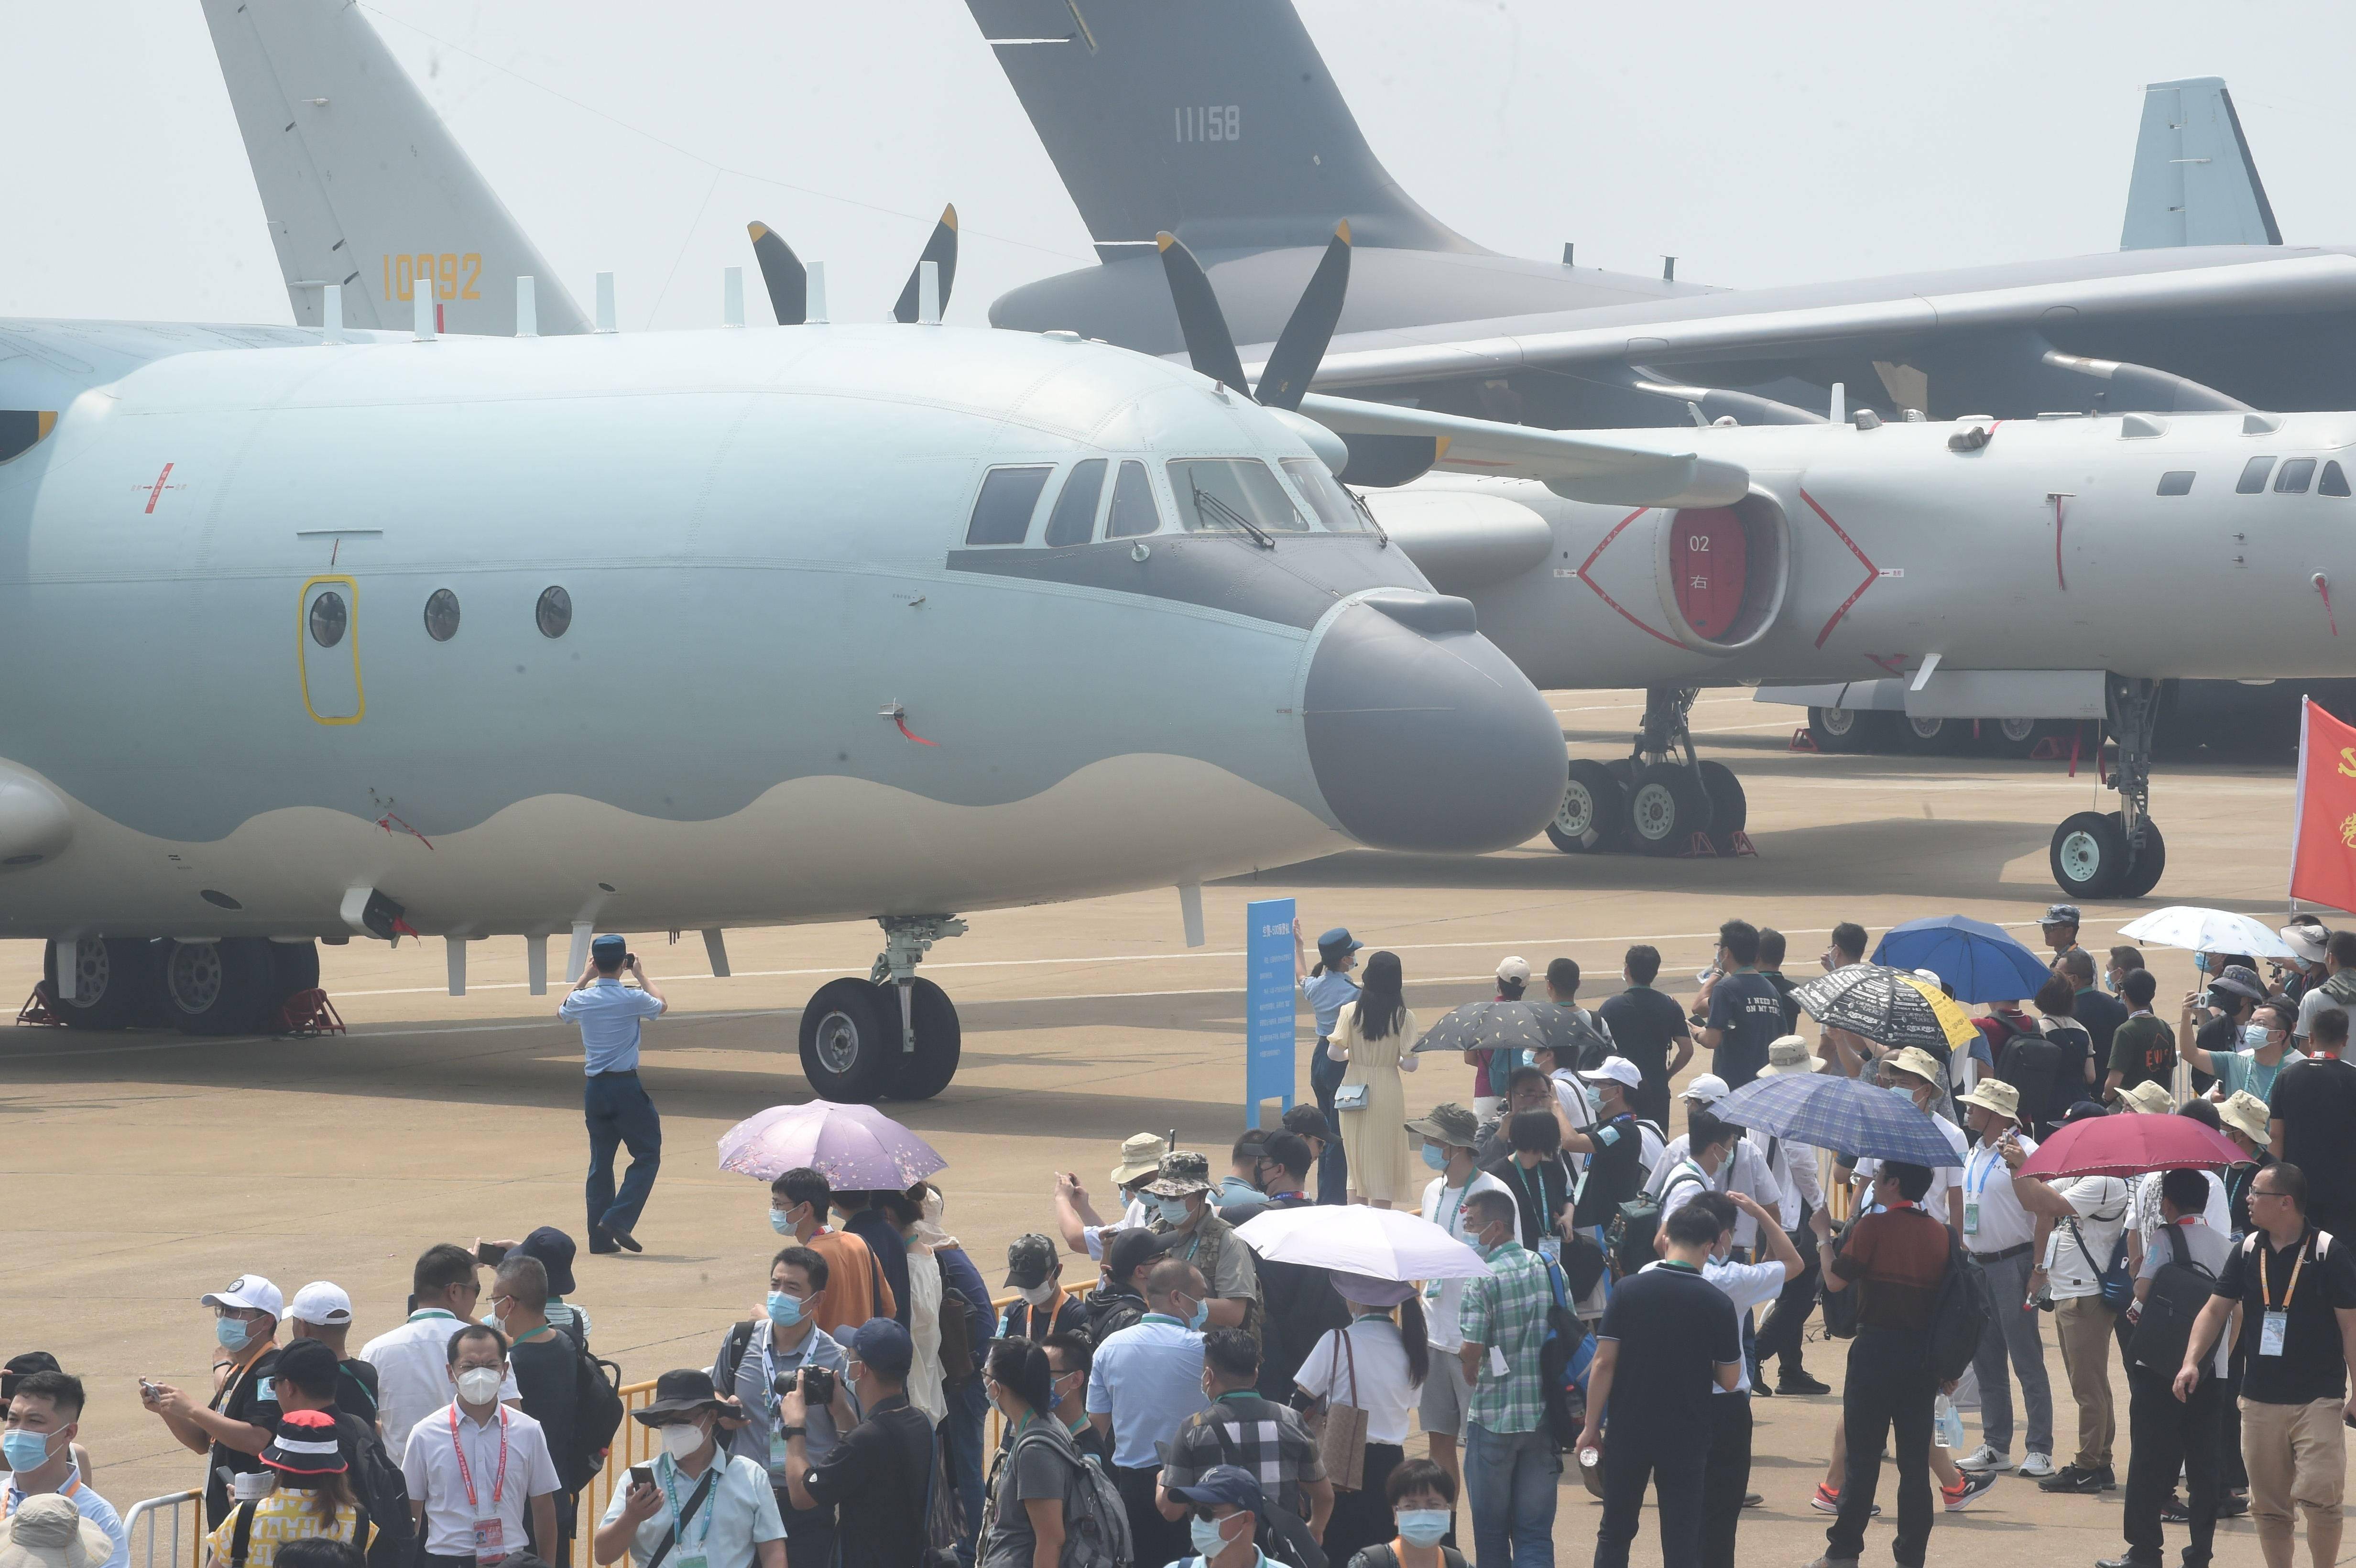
x=2118 y=854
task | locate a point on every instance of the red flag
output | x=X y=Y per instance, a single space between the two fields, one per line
x=2323 y=846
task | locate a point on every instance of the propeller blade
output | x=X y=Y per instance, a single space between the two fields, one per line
x=941 y=252
x=783 y=271
x=1200 y=320
x=1284 y=379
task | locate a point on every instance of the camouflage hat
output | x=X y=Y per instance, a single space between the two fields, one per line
x=1182 y=1172
x=1449 y=1124
x=1030 y=1259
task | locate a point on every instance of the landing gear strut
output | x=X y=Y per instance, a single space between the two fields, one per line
x=2118 y=854
x=890 y=1034
x=1657 y=799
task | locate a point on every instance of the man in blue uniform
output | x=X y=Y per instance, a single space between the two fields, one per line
x=613 y=1102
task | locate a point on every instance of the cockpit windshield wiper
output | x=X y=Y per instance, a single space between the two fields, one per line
x=1210 y=508
x=1382 y=539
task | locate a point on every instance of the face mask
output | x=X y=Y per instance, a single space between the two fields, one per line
x=1422 y=1526
x=781 y=1221
x=2253 y=1036
x=680 y=1440
x=785 y=1310
x=1209 y=1535
x=2110 y=983
x=232 y=1333
x=1904 y=1093
x=1037 y=1295
x=1173 y=1210
x=480 y=1385
x=1435 y=1156
x=1200 y=1316
x=931 y=1207
x=25 y=1450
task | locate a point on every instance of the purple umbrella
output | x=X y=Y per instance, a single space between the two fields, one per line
x=856 y=1147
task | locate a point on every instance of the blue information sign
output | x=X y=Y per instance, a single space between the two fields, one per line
x=1269 y=1007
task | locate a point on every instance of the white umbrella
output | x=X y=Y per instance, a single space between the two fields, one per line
x=2200 y=930
x=1381 y=1244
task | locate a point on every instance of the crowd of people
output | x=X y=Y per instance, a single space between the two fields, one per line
x=1164 y=1395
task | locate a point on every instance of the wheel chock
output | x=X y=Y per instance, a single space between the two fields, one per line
x=1701 y=849
x=1742 y=845
x=1803 y=740
x=39 y=1011
x=2049 y=749
x=305 y=1015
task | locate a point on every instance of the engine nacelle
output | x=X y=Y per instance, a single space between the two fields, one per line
x=1709 y=579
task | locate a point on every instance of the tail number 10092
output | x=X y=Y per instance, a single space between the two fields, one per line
x=450 y=276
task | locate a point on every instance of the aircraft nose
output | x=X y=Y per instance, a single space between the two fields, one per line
x=1422 y=735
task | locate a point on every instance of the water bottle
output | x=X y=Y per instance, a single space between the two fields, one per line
x=1947 y=1427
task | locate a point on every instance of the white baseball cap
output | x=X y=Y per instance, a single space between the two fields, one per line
x=321 y=1304
x=1513 y=969
x=1707 y=1090
x=250 y=1291
x=1618 y=1070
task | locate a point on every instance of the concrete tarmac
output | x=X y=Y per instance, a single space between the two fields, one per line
x=145 y=1169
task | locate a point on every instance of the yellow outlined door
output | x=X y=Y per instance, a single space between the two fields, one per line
x=328 y=631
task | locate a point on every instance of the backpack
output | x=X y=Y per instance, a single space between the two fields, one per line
x=1382 y=1557
x=1564 y=1357
x=1960 y=1314
x=383 y=1492
x=597 y=1411
x=241 y=1539
x=2180 y=1289
x=1630 y=1238
x=1096 y=1521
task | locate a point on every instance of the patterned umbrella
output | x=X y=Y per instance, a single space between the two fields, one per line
x=1487 y=1026
x=857 y=1148
x=1570 y=1037
x=1886 y=1007
x=1984 y=963
x=1839 y=1114
x=2199 y=930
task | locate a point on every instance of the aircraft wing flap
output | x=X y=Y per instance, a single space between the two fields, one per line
x=1618 y=469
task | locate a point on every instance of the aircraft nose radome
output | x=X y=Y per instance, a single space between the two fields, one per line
x=1422 y=735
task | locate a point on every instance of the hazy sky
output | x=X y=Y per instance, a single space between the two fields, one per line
x=1762 y=145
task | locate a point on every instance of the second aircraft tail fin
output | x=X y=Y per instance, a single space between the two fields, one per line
x=2194 y=180
x=362 y=183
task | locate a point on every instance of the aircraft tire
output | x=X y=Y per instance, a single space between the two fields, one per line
x=115 y=984
x=2011 y=737
x=1729 y=808
x=2088 y=855
x=2147 y=858
x=1929 y=737
x=1667 y=806
x=925 y=1072
x=1594 y=803
x=848 y=1043
x=220 y=988
x=1841 y=730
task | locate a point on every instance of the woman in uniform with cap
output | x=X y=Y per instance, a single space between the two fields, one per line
x=1375 y=1037
x=312 y=1498
x=1328 y=988
x=1378 y=1364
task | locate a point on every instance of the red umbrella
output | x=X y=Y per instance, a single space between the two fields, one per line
x=2129 y=1146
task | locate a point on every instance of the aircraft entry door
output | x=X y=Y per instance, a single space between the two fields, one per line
x=327 y=630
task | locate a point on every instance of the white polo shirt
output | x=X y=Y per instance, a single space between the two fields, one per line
x=1994 y=1220
x=430 y=1464
x=413 y=1373
x=739 y=1513
x=1744 y=1171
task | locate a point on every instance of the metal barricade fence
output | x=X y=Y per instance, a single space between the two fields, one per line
x=634 y=1444
x=182 y=1513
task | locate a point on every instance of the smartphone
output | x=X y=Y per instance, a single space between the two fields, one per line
x=642 y=1475
x=488 y=1255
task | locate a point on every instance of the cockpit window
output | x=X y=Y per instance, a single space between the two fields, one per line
x=2294 y=475
x=1326 y=497
x=1232 y=494
x=1075 y=516
x=1133 y=512
x=2335 y=482
x=2254 y=476
x=1003 y=513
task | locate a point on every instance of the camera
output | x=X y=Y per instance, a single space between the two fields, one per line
x=817 y=1385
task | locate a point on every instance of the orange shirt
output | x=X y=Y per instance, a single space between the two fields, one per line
x=855 y=1287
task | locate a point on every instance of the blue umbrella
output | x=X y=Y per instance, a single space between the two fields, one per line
x=1983 y=962
x=1838 y=1114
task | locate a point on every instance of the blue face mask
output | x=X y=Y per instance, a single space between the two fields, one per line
x=784 y=1311
x=1200 y=1316
x=232 y=1333
x=1435 y=1156
x=781 y=1223
x=1173 y=1210
x=2253 y=1036
x=1208 y=1538
x=25 y=1450
x=1905 y=1094
x=1422 y=1526
x=2110 y=982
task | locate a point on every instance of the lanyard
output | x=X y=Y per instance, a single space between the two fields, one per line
x=670 y=1495
x=769 y=1371
x=1987 y=1172
x=498 y=1482
x=1453 y=1215
x=2266 y=1285
x=1525 y=1176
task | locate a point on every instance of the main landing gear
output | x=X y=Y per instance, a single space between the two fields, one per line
x=2118 y=854
x=236 y=984
x=1657 y=799
x=890 y=1034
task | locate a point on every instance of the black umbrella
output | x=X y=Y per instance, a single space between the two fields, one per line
x=1574 y=1040
x=1487 y=1026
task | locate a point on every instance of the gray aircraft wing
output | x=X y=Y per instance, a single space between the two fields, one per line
x=2194 y=181
x=362 y=183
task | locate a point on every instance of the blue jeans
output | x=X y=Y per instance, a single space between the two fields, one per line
x=1334 y=1165
x=963 y=1428
x=1509 y=1479
x=618 y=1112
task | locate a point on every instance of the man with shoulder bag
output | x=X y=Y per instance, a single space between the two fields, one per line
x=2083 y=1275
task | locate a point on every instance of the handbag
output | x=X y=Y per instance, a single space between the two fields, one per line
x=1341 y=1431
x=1351 y=1097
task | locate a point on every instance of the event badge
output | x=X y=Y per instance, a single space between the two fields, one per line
x=2272 y=1330
x=776 y=1452
x=698 y=1561
x=490 y=1537
x=1550 y=1249
x=1972 y=1217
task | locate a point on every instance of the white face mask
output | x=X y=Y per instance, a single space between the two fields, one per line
x=931 y=1207
x=681 y=1439
x=480 y=1385
x=1037 y=1295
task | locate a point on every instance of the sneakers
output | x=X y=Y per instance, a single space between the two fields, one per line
x=1801 y=1383
x=2173 y=1511
x=1968 y=1489
x=1827 y=1501
x=2073 y=1478
x=1987 y=1458
x=2036 y=1465
x=2232 y=1505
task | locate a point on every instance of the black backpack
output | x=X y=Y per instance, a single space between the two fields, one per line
x=1960 y=1314
x=383 y=1492
x=1561 y=1368
x=1629 y=1240
x=597 y=1411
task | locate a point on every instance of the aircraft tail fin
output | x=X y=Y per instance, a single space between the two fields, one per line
x=2194 y=181
x=362 y=183
x=1215 y=120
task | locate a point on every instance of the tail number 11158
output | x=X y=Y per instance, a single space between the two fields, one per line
x=450 y=276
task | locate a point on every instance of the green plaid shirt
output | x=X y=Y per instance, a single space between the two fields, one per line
x=1504 y=1310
